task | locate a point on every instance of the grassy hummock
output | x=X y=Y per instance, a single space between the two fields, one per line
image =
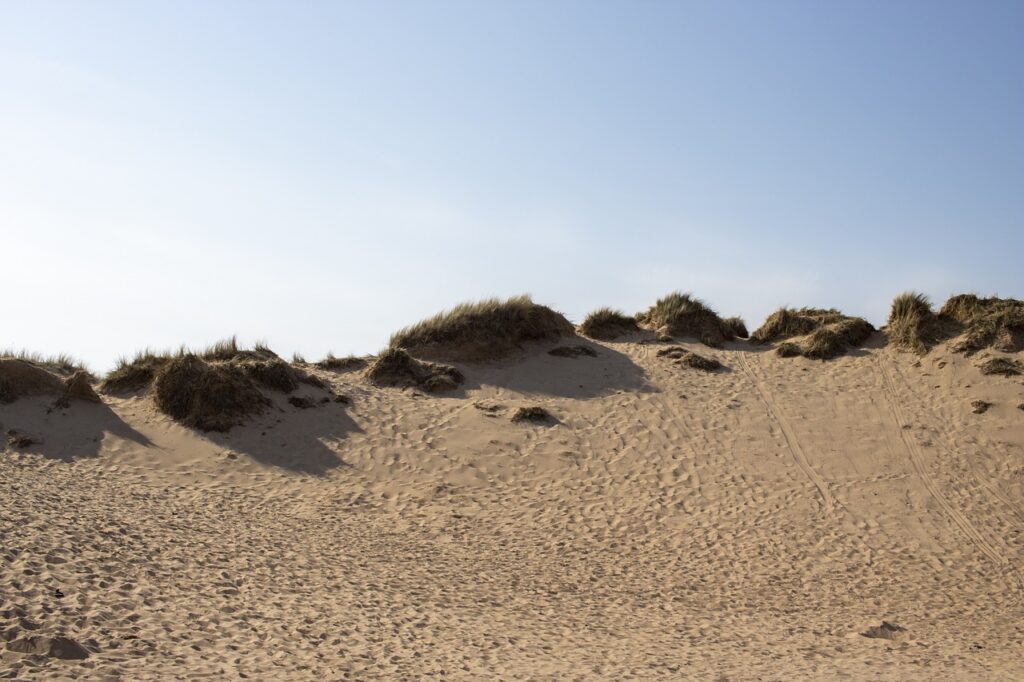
x=812 y=332
x=682 y=315
x=484 y=330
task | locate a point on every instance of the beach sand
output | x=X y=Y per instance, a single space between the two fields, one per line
x=667 y=523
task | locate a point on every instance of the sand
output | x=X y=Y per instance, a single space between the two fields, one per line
x=665 y=523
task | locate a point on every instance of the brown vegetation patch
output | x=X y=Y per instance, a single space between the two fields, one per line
x=534 y=414
x=683 y=315
x=913 y=325
x=815 y=332
x=573 y=351
x=980 y=406
x=396 y=368
x=482 y=331
x=260 y=364
x=607 y=324
x=996 y=323
x=690 y=359
x=1007 y=367
x=210 y=396
x=737 y=326
x=700 y=362
x=346 y=364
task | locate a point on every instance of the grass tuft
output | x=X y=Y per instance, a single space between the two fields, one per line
x=61 y=363
x=812 y=332
x=737 y=326
x=1006 y=367
x=682 y=315
x=607 y=324
x=535 y=414
x=210 y=396
x=396 y=368
x=346 y=364
x=986 y=323
x=483 y=330
x=913 y=325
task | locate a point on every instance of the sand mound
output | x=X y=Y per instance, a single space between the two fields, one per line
x=20 y=378
x=815 y=332
x=396 y=368
x=482 y=331
x=207 y=396
x=682 y=315
x=986 y=323
x=607 y=324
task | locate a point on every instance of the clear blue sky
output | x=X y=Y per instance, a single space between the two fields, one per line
x=318 y=174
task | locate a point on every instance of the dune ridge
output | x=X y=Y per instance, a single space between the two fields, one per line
x=616 y=512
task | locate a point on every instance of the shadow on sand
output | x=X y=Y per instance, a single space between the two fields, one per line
x=538 y=372
x=65 y=434
x=293 y=438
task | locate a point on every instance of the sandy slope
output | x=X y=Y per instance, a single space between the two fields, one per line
x=742 y=525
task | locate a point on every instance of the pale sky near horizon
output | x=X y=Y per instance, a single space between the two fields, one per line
x=319 y=174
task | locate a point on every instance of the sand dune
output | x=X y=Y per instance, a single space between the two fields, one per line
x=748 y=523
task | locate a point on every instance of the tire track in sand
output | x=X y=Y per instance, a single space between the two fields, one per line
x=792 y=442
x=917 y=460
x=980 y=476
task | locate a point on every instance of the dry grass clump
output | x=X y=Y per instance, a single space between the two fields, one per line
x=912 y=323
x=260 y=364
x=483 y=330
x=210 y=396
x=980 y=406
x=1006 y=367
x=986 y=323
x=700 y=362
x=683 y=315
x=535 y=414
x=346 y=364
x=576 y=351
x=607 y=324
x=690 y=359
x=134 y=374
x=832 y=340
x=737 y=326
x=395 y=367
x=61 y=364
x=816 y=332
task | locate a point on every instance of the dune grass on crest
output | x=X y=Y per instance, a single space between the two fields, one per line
x=482 y=330
x=986 y=323
x=345 y=364
x=61 y=363
x=912 y=324
x=261 y=362
x=683 y=315
x=815 y=332
x=396 y=368
x=210 y=396
x=607 y=324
